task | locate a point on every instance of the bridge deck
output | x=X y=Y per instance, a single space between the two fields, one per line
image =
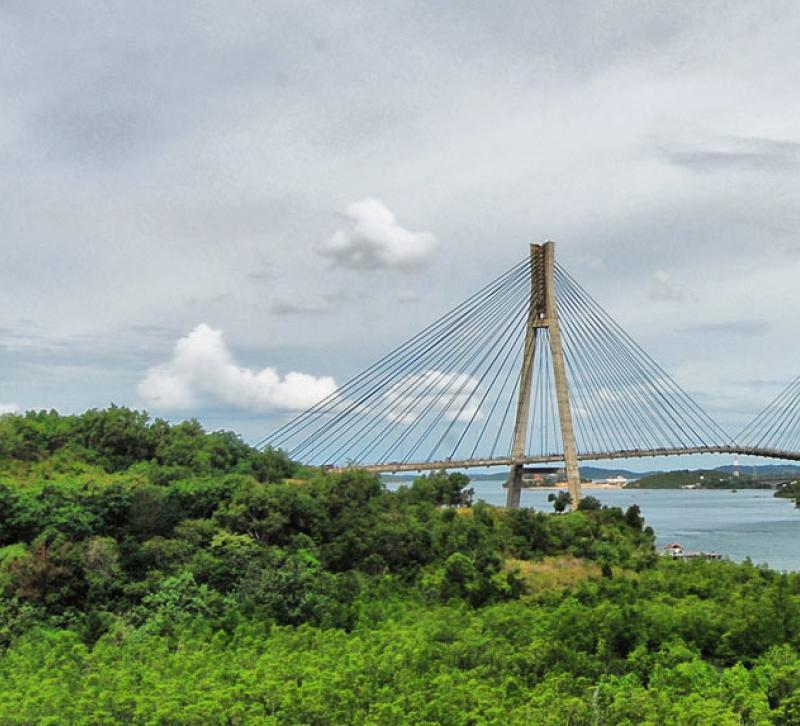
x=397 y=467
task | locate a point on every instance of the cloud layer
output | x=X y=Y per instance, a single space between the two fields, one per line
x=202 y=371
x=374 y=241
x=6 y=408
x=640 y=136
x=664 y=288
x=434 y=392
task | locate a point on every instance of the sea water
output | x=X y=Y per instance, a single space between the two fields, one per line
x=749 y=523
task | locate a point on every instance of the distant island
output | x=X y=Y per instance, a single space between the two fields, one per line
x=697 y=479
x=766 y=476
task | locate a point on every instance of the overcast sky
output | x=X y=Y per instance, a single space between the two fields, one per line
x=221 y=209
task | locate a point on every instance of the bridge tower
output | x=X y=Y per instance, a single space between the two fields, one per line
x=543 y=314
x=445 y=398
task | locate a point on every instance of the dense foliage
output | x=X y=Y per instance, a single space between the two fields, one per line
x=701 y=478
x=158 y=574
x=790 y=490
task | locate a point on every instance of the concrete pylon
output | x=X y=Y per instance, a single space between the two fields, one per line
x=543 y=313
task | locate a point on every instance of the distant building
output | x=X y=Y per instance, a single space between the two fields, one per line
x=676 y=552
x=619 y=481
x=533 y=479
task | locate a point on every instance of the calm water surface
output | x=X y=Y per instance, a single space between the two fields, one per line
x=751 y=523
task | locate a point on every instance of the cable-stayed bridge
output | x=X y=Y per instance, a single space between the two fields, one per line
x=528 y=370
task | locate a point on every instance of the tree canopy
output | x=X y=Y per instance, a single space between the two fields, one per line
x=156 y=573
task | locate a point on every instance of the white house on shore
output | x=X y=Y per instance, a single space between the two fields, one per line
x=676 y=551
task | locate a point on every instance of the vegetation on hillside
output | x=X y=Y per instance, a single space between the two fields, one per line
x=157 y=574
x=790 y=491
x=699 y=478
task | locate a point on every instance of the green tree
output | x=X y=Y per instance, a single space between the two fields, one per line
x=589 y=504
x=560 y=501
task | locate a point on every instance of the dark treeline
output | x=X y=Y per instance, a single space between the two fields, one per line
x=790 y=490
x=155 y=573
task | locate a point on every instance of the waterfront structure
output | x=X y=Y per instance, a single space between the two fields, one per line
x=676 y=551
x=617 y=481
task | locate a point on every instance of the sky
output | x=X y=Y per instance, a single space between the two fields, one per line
x=222 y=210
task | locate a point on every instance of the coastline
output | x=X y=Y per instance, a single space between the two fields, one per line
x=584 y=485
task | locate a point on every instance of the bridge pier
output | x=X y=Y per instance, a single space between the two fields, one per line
x=514 y=490
x=543 y=313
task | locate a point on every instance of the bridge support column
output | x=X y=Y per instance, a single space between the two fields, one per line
x=514 y=492
x=543 y=313
x=535 y=312
x=560 y=376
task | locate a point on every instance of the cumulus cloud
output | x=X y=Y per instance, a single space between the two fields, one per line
x=6 y=408
x=433 y=392
x=202 y=369
x=374 y=241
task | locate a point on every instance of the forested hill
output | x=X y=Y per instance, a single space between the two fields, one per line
x=700 y=478
x=158 y=574
x=44 y=445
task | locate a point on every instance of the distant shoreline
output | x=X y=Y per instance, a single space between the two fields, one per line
x=584 y=485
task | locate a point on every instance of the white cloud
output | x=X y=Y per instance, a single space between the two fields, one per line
x=591 y=262
x=408 y=297
x=374 y=241
x=433 y=392
x=202 y=369
x=291 y=307
x=665 y=288
x=6 y=408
